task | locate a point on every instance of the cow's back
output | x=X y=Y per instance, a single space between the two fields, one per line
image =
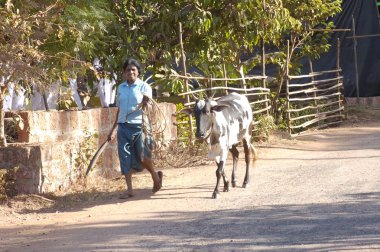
x=236 y=119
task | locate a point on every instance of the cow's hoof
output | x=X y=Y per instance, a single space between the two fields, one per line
x=245 y=185
x=233 y=183
x=215 y=195
x=226 y=187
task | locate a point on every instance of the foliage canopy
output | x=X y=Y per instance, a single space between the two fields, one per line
x=44 y=41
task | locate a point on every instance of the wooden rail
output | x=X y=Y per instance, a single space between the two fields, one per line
x=315 y=104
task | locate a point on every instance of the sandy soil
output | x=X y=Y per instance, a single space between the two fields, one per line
x=319 y=192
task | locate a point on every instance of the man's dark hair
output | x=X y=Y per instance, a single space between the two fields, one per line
x=132 y=61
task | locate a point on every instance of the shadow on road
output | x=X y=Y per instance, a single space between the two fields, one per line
x=77 y=201
x=354 y=224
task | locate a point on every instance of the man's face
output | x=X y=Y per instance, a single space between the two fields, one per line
x=131 y=73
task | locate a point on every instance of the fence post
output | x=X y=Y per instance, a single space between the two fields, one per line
x=314 y=87
x=263 y=72
x=225 y=74
x=312 y=80
x=183 y=61
x=338 y=75
x=287 y=89
x=210 y=93
x=243 y=82
x=355 y=57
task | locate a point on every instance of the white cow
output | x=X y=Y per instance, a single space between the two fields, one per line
x=224 y=124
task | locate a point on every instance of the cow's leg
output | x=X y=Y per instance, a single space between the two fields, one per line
x=226 y=187
x=247 y=154
x=219 y=172
x=235 y=158
x=226 y=183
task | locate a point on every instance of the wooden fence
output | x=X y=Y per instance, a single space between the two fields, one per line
x=314 y=100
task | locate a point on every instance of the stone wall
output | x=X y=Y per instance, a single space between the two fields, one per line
x=50 y=141
x=364 y=101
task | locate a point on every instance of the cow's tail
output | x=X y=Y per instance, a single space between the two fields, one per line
x=253 y=151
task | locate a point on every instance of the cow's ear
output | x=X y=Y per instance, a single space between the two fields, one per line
x=187 y=111
x=218 y=108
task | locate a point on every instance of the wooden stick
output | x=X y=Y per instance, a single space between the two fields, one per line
x=313 y=107
x=41 y=197
x=99 y=151
x=317 y=115
x=248 y=77
x=183 y=62
x=229 y=88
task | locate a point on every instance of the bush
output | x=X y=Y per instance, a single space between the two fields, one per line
x=7 y=183
x=265 y=127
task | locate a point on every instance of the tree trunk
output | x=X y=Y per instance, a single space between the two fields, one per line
x=3 y=142
x=282 y=77
x=275 y=101
x=45 y=101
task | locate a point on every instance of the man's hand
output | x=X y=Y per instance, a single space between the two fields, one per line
x=145 y=100
x=111 y=135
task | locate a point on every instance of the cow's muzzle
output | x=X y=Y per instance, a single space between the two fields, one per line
x=203 y=135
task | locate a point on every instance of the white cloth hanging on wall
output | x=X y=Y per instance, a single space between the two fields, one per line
x=106 y=91
x=74 y=91
x=36 y=100
x=19 y=99
x=14 y=100
x=52 y=94
x=7 y=103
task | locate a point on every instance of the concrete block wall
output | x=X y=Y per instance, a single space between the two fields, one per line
x=364 y=101
x=50 y=126
x=41 y=167
x=50 y=142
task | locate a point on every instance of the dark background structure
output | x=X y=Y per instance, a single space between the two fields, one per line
x=367 y=30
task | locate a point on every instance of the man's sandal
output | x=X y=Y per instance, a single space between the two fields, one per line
x=157 y=188
x=125 y=195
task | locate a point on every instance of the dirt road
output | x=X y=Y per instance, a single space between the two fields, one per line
x=320 y=192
